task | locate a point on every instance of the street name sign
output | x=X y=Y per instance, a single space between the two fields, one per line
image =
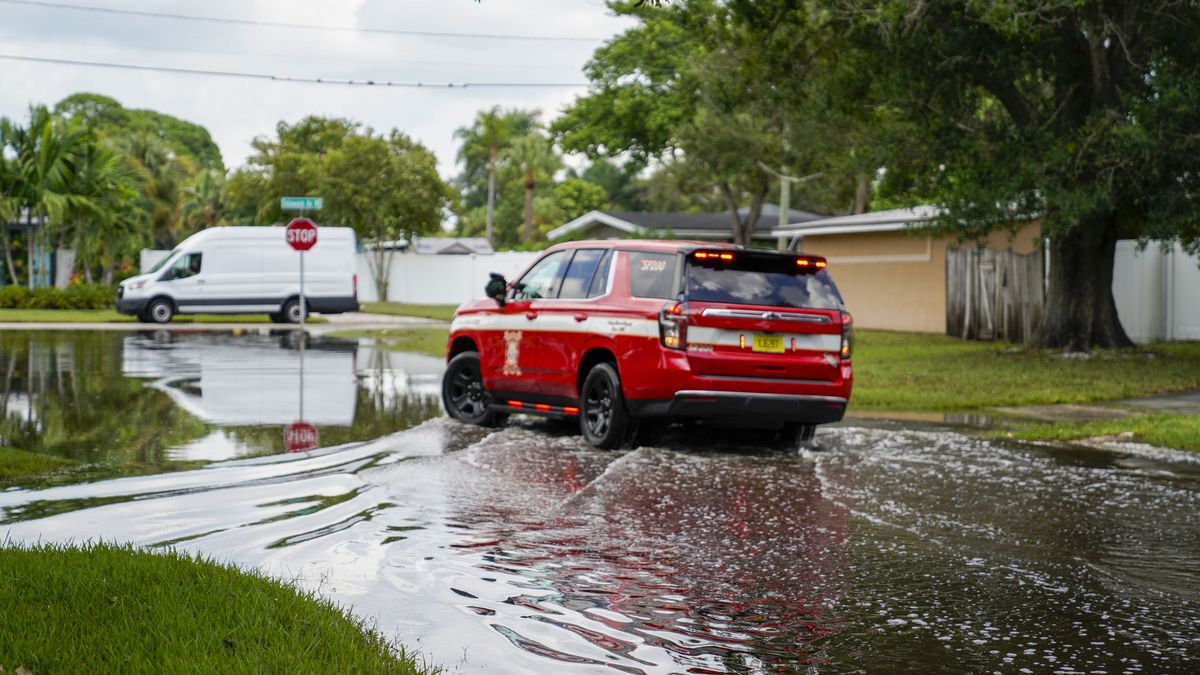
x=301 y=203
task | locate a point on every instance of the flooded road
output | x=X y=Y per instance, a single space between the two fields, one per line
x=523 y=550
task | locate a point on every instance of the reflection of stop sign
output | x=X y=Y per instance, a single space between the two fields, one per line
x=300 y=437
x=301 y=234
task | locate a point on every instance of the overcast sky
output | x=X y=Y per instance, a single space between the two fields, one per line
x=235 y=111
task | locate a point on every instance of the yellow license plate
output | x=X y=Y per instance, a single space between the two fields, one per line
x=772 y=344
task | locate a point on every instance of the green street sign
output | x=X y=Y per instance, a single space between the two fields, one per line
x=301 y=203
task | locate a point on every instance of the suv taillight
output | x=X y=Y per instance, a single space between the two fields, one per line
x=672 y=326
x=847 y=336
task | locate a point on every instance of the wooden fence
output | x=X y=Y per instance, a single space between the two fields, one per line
x=994 y=295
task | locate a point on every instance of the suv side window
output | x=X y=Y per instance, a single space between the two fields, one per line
x=580 y=272
x=543 y=279
x=600 y=279
x=653 y=275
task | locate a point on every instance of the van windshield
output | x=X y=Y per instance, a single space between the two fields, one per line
x=162 y=263
x=764 y=280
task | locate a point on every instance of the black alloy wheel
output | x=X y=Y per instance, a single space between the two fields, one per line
x=463 y=393
x=603 y=418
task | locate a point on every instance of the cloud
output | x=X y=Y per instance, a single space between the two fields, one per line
x=235 y=111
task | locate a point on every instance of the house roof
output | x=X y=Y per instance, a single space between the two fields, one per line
x=680 y=223
x=875 y=221
x=451 y=245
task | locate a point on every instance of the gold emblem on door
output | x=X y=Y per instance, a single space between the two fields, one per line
x=512 y=352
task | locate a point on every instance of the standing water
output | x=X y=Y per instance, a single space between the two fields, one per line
x=523 y=550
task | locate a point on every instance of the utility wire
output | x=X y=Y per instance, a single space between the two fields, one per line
x=301 y=26
x=286 y=78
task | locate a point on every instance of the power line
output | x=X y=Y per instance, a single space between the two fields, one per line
x=301 y=26
x=287 y=78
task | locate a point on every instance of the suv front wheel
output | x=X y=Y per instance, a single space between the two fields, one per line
x=603 y=418
x=463 y=393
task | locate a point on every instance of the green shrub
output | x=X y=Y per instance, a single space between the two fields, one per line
x=14 y=297
x=81 y=296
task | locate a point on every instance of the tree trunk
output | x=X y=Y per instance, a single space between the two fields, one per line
x=107 y=277
x=10 y=272
x=29 y=245
x=491 y=204
x=1080 y=312
x=527 y=236
x=861 y=190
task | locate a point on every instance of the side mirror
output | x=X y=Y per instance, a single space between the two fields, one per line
x=496 y=288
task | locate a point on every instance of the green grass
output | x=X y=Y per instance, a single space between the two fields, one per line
x=19 y=464
x=112 y=316
x=936 y=373
x=431 y=341
x=1168 y=431
x=115 y=609
x=439 y=312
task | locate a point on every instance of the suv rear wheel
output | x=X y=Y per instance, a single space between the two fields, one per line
x=795 y=436
x=463 y=393
x=603 y=418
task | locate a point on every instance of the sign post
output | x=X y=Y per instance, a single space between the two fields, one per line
x=301 y=234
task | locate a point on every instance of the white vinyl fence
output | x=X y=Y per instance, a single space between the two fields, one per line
x=1157 y=291
x=440 y=279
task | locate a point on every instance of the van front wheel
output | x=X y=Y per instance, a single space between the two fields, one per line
x=160 y=311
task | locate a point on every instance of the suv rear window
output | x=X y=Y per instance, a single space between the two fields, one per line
x=765 y=280
x=653 y=275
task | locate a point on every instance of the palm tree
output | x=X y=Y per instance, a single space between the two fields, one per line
x=100 y=217
x=483 y=142
x=163 y=175
x=534 y=156
x=10 y=198
x=45 y=156
x=203 y=200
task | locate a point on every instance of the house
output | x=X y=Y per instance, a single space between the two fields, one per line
x=440 y=246
x=892 y=274
x=50 y=267
x=676 y=225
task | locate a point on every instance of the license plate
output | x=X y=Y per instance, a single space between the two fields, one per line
x=772 y=344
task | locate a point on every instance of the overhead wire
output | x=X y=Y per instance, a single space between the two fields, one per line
x=291 y=25
x=289 y=78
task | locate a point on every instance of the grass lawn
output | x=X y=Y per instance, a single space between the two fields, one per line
x=19 y=464
x=1167 y=431
x=112 y=316
x=115 y=609
x=936 y=373
x=439 y=312
x=431 y=341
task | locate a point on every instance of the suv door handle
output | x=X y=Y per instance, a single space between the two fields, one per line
x=531 y=315
x=581 y=316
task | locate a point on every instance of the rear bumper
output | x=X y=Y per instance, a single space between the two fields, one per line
x=743 y=406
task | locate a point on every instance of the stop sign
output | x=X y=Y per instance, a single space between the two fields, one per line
x=300 y=437
x=301 y=234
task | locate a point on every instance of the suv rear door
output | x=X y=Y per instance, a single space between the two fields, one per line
x=762 y=315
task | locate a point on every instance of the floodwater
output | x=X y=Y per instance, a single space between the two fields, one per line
x=523 y=550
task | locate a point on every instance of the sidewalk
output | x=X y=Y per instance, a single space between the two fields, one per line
x=1185 y=403
x=334 y=322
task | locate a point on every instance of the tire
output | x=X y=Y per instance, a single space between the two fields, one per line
x=290 y=312
x=276 y=317
x=463 y=394
x=603 y=419
x=160 y=310
x=795 y=436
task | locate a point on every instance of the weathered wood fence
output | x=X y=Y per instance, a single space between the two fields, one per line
x=994 y=295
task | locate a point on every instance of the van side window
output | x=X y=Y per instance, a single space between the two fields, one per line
x=187 y=266
x=543 y=279
x=600 y=280
x=579 y=273
x=653 y=275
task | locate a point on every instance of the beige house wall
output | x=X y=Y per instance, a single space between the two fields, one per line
x=897 y=281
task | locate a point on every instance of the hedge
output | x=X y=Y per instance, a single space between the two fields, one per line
x=81 y=296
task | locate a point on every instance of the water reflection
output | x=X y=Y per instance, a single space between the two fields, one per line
x=160 y=399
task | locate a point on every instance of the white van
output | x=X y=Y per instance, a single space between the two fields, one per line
x=237 y=270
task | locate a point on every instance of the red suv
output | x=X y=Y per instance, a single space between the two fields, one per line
x=614 y=331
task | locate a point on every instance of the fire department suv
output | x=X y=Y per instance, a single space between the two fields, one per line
x=616 y=331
